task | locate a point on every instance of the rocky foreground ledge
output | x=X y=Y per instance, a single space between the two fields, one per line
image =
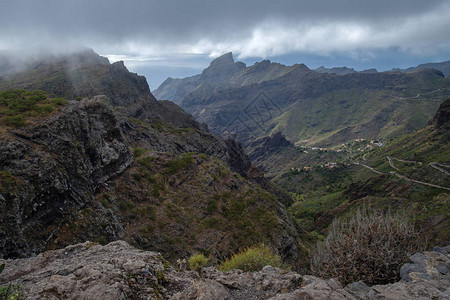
x=120 y=271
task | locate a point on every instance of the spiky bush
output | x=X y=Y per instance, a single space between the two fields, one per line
x=371 y=246
x=197 y=262
x=252 y=259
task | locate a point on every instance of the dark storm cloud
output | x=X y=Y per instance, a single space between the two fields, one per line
x=182 y=34
x=209 y=26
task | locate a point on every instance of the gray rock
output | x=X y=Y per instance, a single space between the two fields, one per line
x=119 y=271
x=360 y=290
x=443 y=269
x=443 y=250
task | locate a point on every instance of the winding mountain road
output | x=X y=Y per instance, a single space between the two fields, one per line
x=435 y=165
x=391 y=163
x=370 y=168
x=406 y=178
x=418 y=96
x=420 y=182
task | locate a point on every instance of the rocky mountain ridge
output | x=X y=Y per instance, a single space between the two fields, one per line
x=79 y=74
x=444 y=67
x=341 y=70
x=308 y=107
x=119 y=271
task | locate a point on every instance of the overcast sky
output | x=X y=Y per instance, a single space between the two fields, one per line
x=179 y=38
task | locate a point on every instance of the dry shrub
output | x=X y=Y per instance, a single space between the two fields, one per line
x=370 y=246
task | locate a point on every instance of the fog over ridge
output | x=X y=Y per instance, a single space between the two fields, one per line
x=182 y=36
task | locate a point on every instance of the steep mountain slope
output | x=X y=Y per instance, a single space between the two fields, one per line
x=80 y=74
x=120 y=164
x=308 y=107
x=444 y=67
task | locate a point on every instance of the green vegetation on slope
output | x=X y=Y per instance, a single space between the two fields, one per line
x=321 y=193
x=18 y=106
x=180 y=204
x=342 y=115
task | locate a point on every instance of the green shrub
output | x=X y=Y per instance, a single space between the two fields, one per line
x=18 y=104
x=137 y=176
x=146 y=229
x=371 y=246
x=58 y=101
x=10 y=291
x=158 y=127
x=197 y=262
x=212 y=205
x=126 y=205
x=138 y=151
x=252 y=259
x=210 y=222
x=16 y=121
x=147 y=161
x=157 y=189
x=179 y=163
x=43 y=110
x=150 y=212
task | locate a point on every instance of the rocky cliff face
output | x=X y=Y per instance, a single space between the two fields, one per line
x=442 y=118
x=55 y=167
x=118 y=271
x=266 y=146
x=125 y=166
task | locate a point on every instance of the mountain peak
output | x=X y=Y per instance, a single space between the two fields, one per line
x=223 y=66
x=225 y=59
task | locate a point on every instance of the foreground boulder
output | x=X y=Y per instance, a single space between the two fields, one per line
x=119 y=271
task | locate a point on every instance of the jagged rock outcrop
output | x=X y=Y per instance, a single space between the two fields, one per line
x=442 y=118
x=221 y=68
x=119 y=271
x=223 y=72
x=55 y=167
x=267 y=145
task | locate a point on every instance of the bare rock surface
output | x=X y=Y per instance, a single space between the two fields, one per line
x=119 y=271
